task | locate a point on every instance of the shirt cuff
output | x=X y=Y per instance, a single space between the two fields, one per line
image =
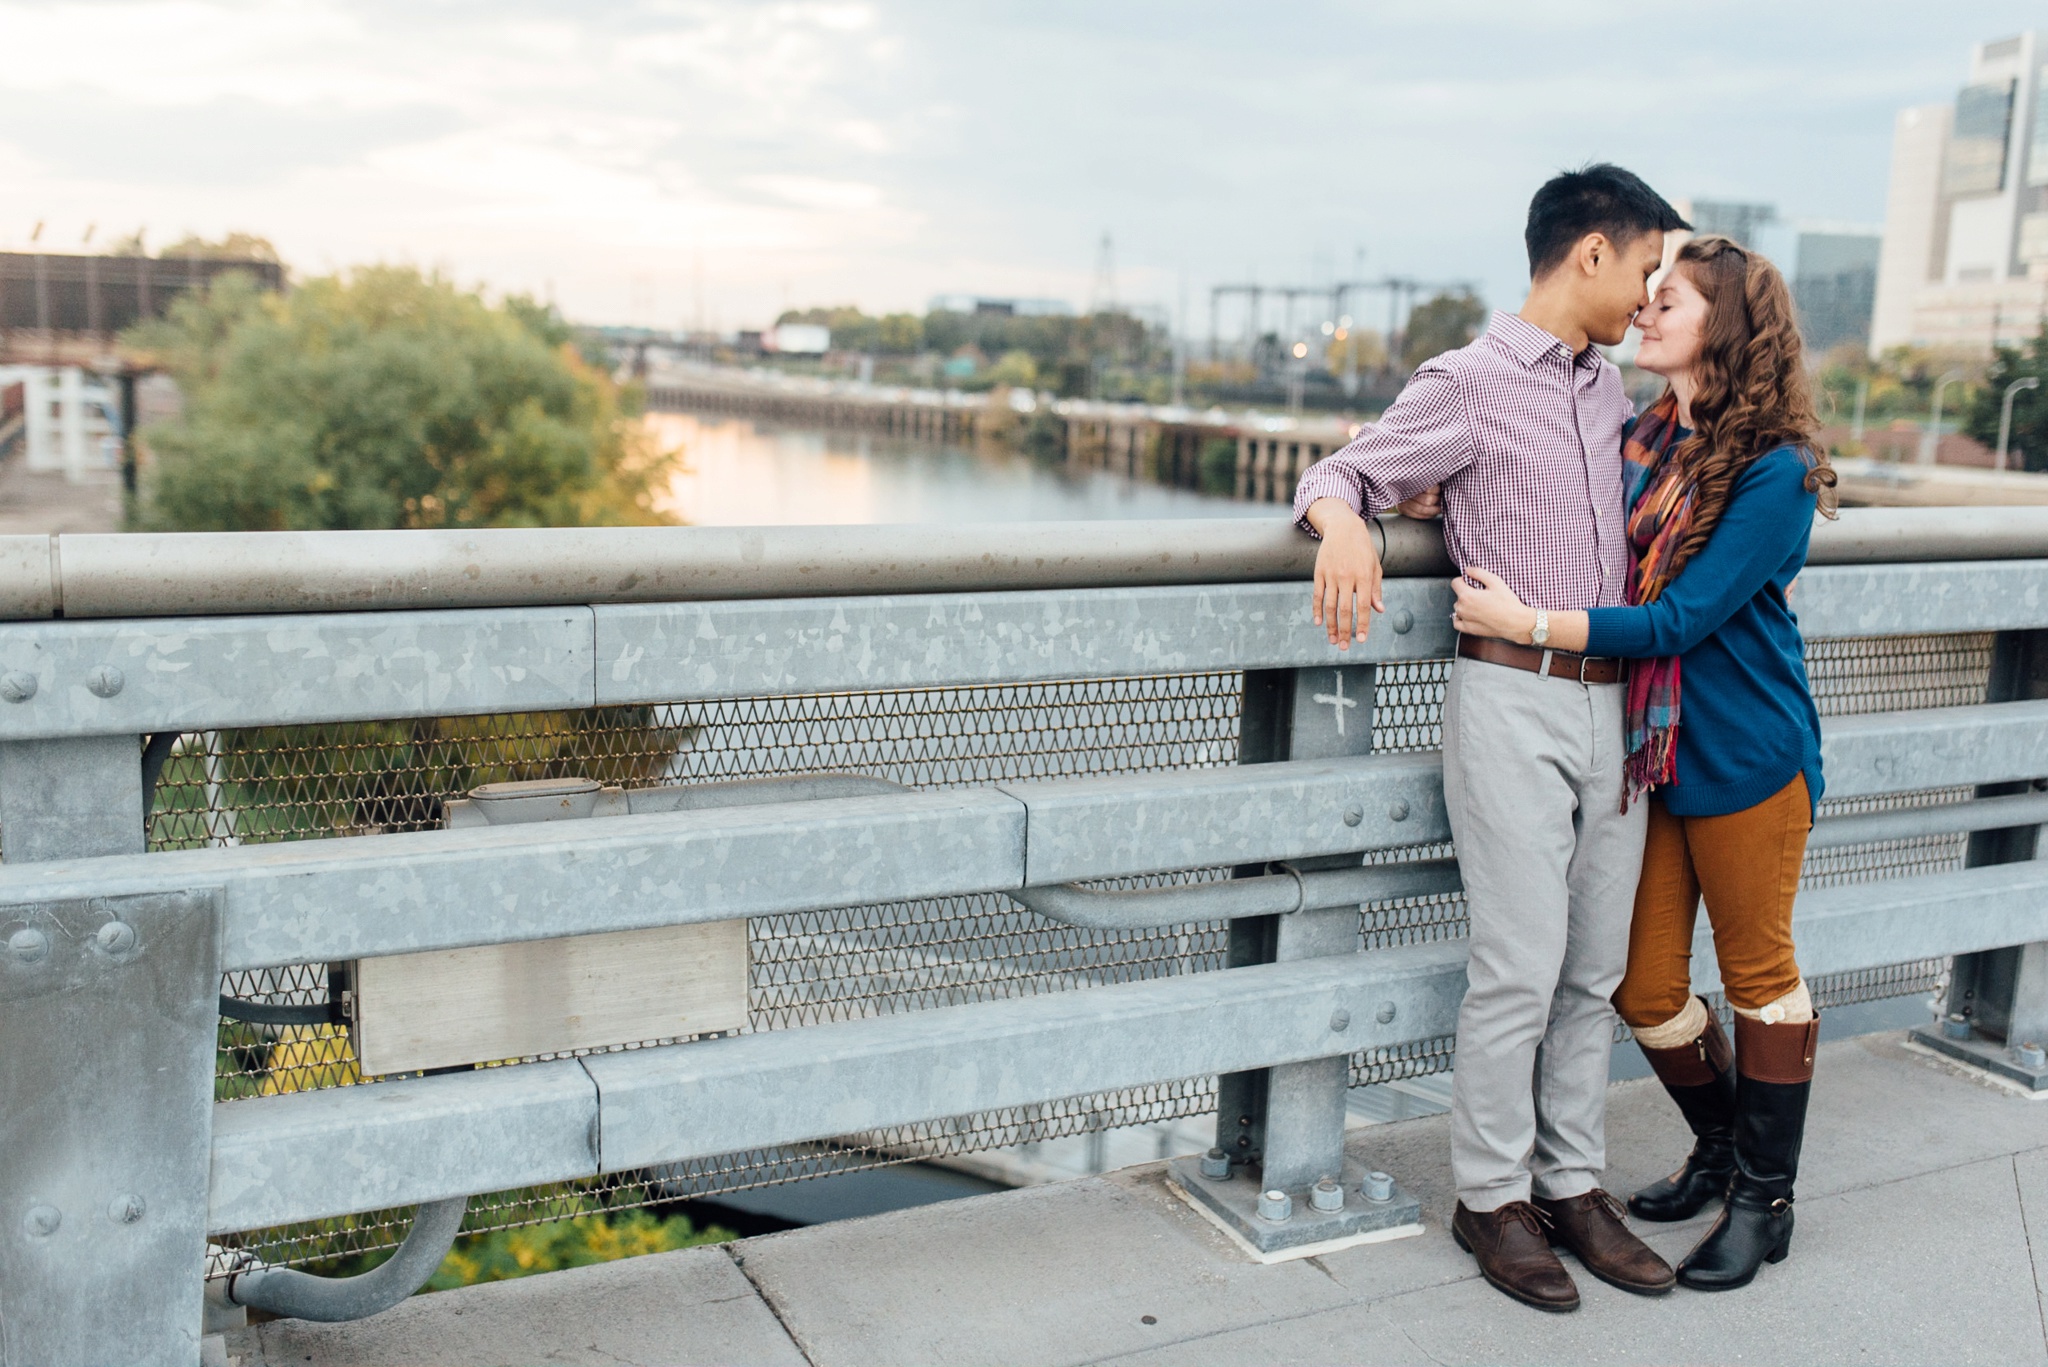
x=1321 y=483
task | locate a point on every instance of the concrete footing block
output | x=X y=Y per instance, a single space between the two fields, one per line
x=1232 y=1204
x=1993 y=1056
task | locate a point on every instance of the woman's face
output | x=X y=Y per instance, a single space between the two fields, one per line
x=1671 y=326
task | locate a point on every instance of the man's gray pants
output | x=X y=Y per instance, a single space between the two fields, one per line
x=1533 y=785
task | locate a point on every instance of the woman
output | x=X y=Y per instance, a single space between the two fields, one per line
x=1723 y=479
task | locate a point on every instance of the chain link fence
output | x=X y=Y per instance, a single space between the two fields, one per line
x=222 y=788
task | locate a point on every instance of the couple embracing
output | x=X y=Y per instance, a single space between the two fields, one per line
x=1627 y=727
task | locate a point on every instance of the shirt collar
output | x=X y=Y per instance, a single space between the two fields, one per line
x=1529 y=344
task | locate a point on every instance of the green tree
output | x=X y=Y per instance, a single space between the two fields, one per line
x=385 y=398
x=2029 y=406
x=1445 y=323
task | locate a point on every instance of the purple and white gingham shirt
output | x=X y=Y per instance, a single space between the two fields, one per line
x=1525 y=439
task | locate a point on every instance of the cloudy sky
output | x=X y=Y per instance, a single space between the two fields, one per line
x=632 y=157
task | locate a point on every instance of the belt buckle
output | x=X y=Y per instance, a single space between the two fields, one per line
x=1584 y=660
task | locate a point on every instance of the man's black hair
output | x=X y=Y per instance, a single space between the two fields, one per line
x=1601 y=198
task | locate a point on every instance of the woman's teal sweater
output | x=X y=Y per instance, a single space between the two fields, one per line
x=1746 y=720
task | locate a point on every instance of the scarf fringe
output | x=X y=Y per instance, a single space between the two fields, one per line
x=1653 y=762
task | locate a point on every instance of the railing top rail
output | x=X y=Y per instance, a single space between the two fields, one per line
x=225 y=573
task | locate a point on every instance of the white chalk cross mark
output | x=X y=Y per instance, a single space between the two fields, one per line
x=1336 y=701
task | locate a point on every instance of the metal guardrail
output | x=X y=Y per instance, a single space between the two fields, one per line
x=128 y=1165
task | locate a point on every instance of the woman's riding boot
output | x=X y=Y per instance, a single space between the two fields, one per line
x=1700 y=1075
x=1774 y=1074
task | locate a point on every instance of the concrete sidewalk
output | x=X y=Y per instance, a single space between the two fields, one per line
x=1918 y=1191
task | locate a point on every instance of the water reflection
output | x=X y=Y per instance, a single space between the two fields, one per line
x=742 y=473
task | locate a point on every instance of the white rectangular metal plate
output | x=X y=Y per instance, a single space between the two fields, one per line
x=490 y=1002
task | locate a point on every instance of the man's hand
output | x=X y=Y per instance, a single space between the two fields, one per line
x=1424 y=507
x=1347 y=572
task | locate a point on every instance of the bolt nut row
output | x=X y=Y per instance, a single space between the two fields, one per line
x=30 y=945
x=43 y=1219
x=104 y=681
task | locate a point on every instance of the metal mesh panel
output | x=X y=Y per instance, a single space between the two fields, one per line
x=311 y=782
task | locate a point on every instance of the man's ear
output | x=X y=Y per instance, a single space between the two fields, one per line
x=1594 y=249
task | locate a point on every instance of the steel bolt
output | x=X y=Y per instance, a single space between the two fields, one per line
x=1403 y=621
x=28 y=945
x=1276 y=1206
x=1385 y=1015
x=1353 y=815
x=1326 y=1196
x=1955 y=1025
x=105 y=680
x=126 y=1209
x=42 y=1221
x=1398 y=811
x=1340 y=1020
x=1216 y=1165
x=1379 y=1186
x=2030 y=1055
x=17 y=685
x=116 y=937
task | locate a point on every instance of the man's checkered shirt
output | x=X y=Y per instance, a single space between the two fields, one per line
x=1525 y=439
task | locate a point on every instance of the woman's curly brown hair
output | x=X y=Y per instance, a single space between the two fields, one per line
x=1752 y=394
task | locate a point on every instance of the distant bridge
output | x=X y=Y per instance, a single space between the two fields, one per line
x=1163 y=444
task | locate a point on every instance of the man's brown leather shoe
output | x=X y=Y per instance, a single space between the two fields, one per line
x=1592 y=1227
x=1513 y=1250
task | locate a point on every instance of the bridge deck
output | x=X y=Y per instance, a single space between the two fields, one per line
x=1920 y=1189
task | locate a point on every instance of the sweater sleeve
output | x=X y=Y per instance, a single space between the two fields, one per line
x=1768 y=513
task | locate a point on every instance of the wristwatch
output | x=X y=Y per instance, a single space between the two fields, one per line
x=1540 y=633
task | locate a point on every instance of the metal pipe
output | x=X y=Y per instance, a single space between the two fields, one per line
x=328 y=1300
x=201 y=574
x=1272 y=894
x=1875 y=536
x=1955 y=818
x=230 y=573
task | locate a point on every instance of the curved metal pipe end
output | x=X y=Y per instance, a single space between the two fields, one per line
x=329 y=1300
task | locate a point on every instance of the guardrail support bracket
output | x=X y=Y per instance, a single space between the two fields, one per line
x=107 y=1007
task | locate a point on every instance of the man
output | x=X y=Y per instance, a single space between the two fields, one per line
x=1522 y=432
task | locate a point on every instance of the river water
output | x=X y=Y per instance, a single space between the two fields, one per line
x=738 y=472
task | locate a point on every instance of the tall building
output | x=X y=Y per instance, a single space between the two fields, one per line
x=1835 y=285
x=1965 y=259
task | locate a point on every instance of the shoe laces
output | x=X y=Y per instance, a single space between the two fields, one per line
x=1531 y=1216
x=1608 y=1199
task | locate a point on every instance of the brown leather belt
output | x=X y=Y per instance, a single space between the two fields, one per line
x=1558 y=664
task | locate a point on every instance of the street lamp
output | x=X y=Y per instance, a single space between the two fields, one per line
x=1931 y=438
x=2005 y=414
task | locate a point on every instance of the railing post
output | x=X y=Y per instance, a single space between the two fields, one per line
x=107 y=1010
x=1283 y=1128
x=1996 y=1015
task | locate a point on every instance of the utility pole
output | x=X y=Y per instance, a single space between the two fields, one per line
x=2005 y=413
x=1103 y=296
x=1180 y=352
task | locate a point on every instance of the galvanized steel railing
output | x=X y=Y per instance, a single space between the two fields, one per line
x=119 y=1164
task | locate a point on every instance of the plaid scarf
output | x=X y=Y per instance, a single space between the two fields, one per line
x=1658 y=496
